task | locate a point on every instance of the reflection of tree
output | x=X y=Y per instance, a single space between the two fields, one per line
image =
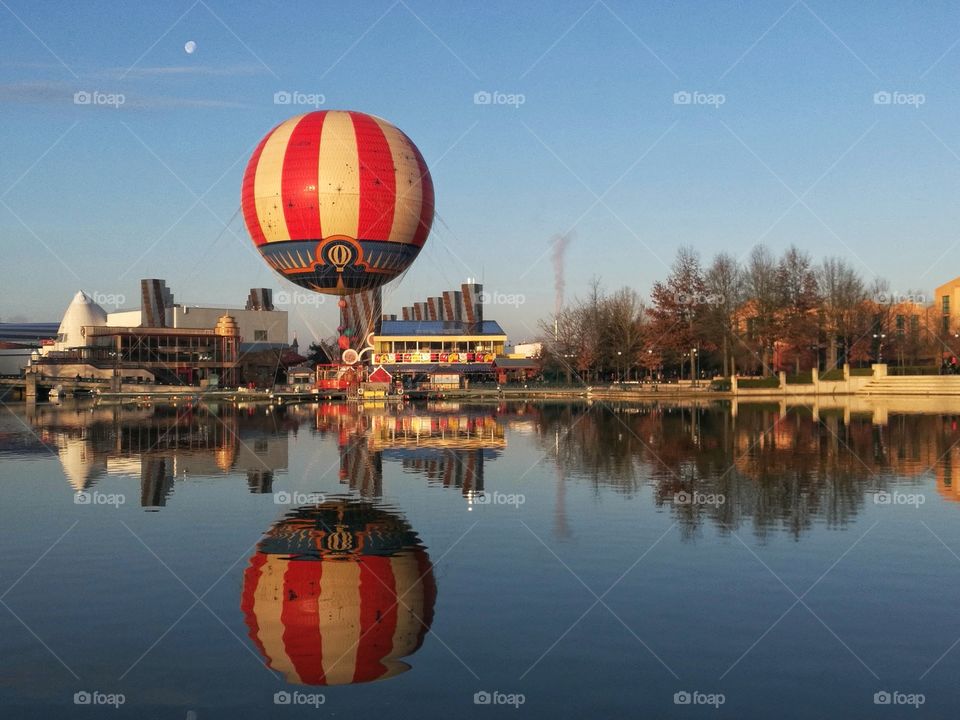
x=788 y=471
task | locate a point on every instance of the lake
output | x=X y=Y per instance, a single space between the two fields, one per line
x=476 y=560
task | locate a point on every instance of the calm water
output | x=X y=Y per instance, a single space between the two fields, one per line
x=201 y=562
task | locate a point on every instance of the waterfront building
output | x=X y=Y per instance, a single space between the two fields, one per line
x=169 y=343
x=448 y=331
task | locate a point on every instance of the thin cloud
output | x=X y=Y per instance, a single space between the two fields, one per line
x=61 y=93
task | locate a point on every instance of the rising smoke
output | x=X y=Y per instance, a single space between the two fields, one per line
x=560 y=244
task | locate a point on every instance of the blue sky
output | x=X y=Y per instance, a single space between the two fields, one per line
x=96 y=197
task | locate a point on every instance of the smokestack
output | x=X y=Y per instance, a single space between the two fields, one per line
x=472 y=304
x=156 y=299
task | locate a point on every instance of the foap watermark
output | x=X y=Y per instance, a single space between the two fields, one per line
x=896 y=497
x=698 y=298
x=295 y=97
x=113 y=300
x=95 y=697
x=695 y=97
x=298 y=498
x=896 y=97
x=95 y=497
x=895 y=697
x=287 y=298
x=283 y=697
x=695 y=697
x=485 y=97
x=694 y=497
x=500 y=298
x=97 y=97
x=896 y=297
x=495 y=697
x=482 y=497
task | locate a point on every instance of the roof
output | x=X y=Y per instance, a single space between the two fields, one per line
x=438 y=327
x=13 y=332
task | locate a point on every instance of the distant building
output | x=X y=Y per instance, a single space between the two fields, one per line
x=169 y=343
x=446 y=332
x=946 y=299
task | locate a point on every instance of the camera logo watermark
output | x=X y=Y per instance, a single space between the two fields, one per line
x=484 y=97
x=685 y=497
x=298 y=498
x=499 y=298
x=95 y=497
x=481 y=497
x=95 y=697
x=282 y=697
x=895 y=697
x=96 y=97
x=899 y=498
x=295 y=97
x=885 y=97
x=686 y=97
x=695 y=697
x=286 y=298
x=495 y=697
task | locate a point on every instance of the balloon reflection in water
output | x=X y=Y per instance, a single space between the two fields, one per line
x=337 y=593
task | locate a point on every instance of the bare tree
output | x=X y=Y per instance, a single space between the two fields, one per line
x=724 y=295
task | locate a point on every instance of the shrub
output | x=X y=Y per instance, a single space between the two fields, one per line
x=758 y=383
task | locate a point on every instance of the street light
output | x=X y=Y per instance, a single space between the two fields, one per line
x=695 y=366
x=880 y=337
x=619 y=366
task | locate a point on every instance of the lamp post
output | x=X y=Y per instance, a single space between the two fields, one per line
x=879 y=337
x=695 y=366
x=619 y=366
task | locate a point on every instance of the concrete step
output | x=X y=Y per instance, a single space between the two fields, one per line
x=913 y=385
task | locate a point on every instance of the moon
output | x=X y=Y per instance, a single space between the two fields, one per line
x=190 y=47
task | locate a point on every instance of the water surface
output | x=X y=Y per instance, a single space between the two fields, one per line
x=214 y=561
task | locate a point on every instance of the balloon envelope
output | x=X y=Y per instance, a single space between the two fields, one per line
x=337 y=201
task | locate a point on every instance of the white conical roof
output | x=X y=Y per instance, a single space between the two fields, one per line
x=82 y=311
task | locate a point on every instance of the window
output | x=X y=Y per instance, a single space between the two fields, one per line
x=901 y=323
x=260 y=335
x=945 y=304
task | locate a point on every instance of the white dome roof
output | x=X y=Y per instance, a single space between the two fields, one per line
x=82 y=311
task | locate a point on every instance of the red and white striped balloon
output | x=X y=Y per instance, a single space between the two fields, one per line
x=338 y=201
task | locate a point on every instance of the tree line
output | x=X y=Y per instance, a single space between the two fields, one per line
x=758 y=315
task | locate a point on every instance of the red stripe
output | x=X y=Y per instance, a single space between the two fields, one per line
x=378 y=617
x=426 y=201
x=300 y=618
x=298 y=184
x=378 y=185
x=247 y=201
x=251 y=578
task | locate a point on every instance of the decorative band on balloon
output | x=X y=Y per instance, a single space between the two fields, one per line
x=339 y=262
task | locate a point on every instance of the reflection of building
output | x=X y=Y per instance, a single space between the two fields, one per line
x=339 y=593
x=449 y=448
x=162 y=445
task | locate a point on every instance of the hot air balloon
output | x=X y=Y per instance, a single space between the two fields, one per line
x=337 y=201
x=338 y=593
